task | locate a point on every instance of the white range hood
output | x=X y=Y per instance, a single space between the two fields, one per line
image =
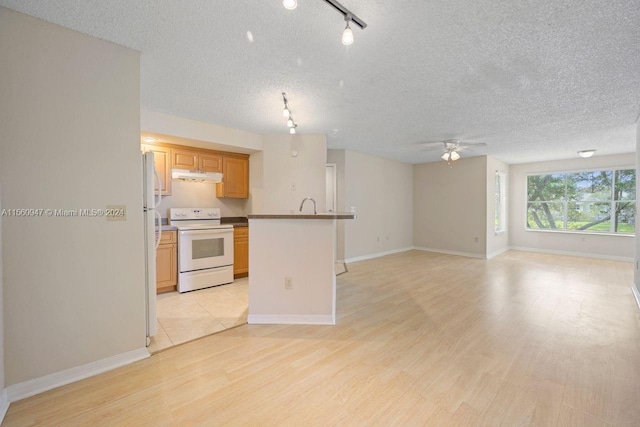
x=196 y=176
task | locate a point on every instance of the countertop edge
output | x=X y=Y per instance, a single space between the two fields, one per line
x=304 y=216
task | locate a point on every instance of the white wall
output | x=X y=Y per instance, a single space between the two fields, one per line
x=381 y=190
x=201 y=195
x=450 y=206
x=70 y=126
x=180 y=130
x=496 y=242
x=578 y=243
x=338 y=157
x=1 y=303
x=274 y=170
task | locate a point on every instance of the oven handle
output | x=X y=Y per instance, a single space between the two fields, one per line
x=201 y=232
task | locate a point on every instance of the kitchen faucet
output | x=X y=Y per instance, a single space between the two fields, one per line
x=314 y=204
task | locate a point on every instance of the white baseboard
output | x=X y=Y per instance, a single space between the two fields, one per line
x=4 y=404
x=498 y=252
x=377 y=255
x=636 y=293
x=32 y=387
x=581 y=254
x=291 y=319
x=446 y=252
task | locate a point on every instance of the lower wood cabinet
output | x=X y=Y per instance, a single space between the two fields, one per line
x=167 y=263
x=240 y=252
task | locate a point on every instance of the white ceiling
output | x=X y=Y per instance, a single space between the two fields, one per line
x=535 y=80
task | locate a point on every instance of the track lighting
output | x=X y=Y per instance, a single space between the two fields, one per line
x=291 y=124
x=290 y=4
x=347 y=34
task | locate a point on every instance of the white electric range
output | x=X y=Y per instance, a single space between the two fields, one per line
x=205 y=248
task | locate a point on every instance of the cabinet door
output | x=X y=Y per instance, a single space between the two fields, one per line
x=240 y=252
x=185 y=159
x=166 y=268
x=162 y=159
x=235 y=175
x=210 y=162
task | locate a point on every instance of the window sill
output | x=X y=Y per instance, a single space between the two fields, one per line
x=498 y=232
x=579 y=233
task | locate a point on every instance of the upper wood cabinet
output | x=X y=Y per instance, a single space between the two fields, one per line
x=210 y=162
x=235 y=175
x=196 y=160
x=162 y=159
x=234 y=167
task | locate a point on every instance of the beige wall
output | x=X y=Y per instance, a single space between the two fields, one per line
x=201 y=195
x=450 y=206
x=636 y=275
x=338 y=157
x=1 y=299
x=274 y=170
x=496 y=242
x=70 y=123
x=579 y=243
x=381 y=190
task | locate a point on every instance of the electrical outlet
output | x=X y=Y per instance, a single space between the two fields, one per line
x=475 y=239
x=378 y=238
x=293 y=186
x=288 y=283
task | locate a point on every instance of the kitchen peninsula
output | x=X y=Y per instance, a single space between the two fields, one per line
x=291 y=268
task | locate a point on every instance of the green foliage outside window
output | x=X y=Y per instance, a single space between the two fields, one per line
x=595 y=201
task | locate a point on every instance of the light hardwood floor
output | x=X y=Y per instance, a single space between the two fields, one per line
x=421 y=339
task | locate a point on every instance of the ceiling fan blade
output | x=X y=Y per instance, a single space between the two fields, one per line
x=432 y=149
x=472 y=144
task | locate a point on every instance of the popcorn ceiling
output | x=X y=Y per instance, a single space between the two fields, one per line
x=536 y=80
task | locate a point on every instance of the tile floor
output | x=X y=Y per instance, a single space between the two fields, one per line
x=192 y=315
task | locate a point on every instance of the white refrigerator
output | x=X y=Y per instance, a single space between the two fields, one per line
x=152 y=233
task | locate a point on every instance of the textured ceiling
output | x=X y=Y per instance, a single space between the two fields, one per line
x=535 y=80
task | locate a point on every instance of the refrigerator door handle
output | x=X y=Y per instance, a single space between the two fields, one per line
x=159 y=229
x=157 y=178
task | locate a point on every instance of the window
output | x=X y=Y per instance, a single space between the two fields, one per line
x=500 y=202
x=601 y=201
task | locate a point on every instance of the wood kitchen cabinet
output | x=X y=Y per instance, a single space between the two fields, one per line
x=167 y=263
x=162 y=159
x=196 y=160
x=235 y=173
x=240 y=252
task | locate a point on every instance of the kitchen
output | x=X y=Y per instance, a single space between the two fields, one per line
x=205 y=291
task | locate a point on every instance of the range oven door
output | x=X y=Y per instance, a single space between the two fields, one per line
x=201 y=249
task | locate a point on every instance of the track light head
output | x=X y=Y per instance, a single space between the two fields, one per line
x=290 y=4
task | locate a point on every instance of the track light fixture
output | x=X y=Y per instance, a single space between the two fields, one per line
x=290 y=4
x=347 y=34
x=286 y=112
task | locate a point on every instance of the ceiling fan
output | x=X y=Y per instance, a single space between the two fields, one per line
x=451 y=148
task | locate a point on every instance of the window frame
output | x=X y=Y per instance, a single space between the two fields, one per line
x=565 y=202
x=501 y=217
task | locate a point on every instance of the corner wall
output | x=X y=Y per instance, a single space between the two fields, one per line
x=69 y=139
x=275 y=171
x=606 y=246
x=338 y=157
x=450 y=206
x=496 y=242
x=381 y=190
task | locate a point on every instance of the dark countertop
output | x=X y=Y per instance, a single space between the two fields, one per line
x=236 y=221
x=324 y=215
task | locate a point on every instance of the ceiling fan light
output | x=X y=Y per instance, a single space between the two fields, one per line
x=586 y=153
x=446 y=156
x=454 y=156
x=290 y=4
